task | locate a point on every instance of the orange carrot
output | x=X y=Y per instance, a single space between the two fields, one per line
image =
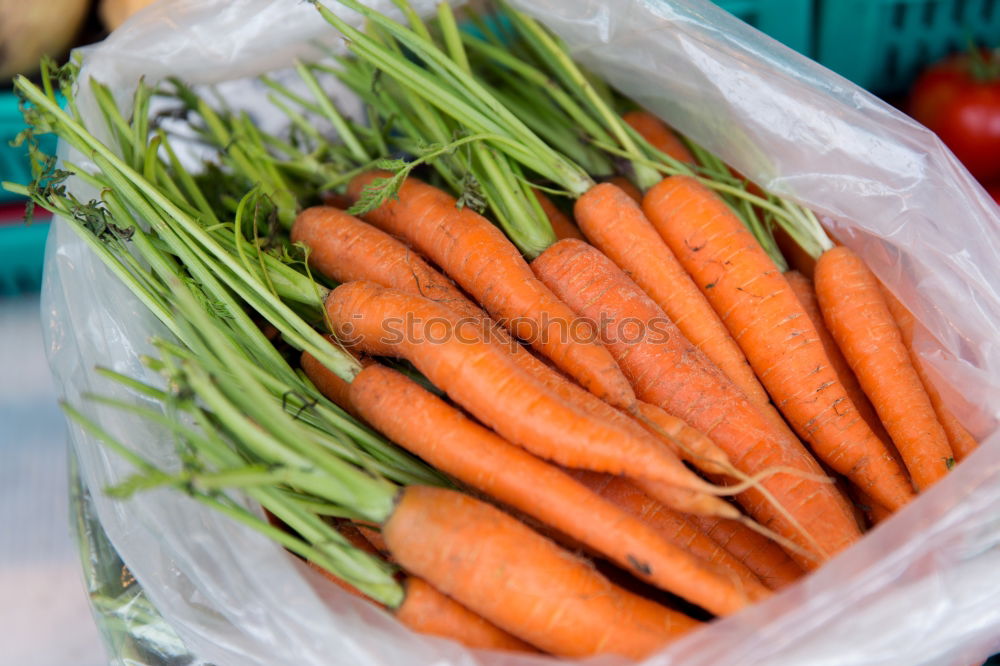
x=482 y=377
x=626 y=186
x=806 y=295
x=618 y=227
x=427 y=611
x=961 y=441
x=343 y=248
x=425 y=425
x=870 y=509
x=765 y=558
x=334 y=239
x=373 y=536
x=659 y=135
x=483 y=261
x=522 y=582
x=668 y=371
x=758 y=307
x=675 y=527
x=859 y=319
x=561 y=224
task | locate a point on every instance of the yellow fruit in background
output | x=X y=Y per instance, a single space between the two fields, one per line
x=114 y=12
x=30 y=29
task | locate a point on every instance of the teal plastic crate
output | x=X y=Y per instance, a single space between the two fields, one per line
x=22 y=251
x=22 y=248
x=791 y=22
x=882 y=45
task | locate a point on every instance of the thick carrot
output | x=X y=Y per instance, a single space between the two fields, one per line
x=764 y=557
x=483 y=261
x=675 y=527
x=440 y=434
x=859 y=319
x=427 y=611
x=561 y=224
x=961 y=441
x=668 y=371
x=659 y=135
x=618 y=227
x=803 y=289
x=758 y=307
x=482 y=377
x=522 y=582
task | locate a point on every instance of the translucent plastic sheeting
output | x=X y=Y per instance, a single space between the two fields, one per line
x=922 y=589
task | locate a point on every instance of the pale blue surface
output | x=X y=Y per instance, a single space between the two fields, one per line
x=44 y=613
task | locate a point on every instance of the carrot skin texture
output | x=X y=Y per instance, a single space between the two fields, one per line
x=765 y=558
x=806 y=295
x=486 y=264
x=859 y=319
x=440 y=434
x=521 y=581
x=335 y=238
x=345 y=248
x=480 y=375
x=962 y=442
x=676 y=527
x=659 y=135
x=562 y=226
x=758 y=307
x=669 y=372
x=618 y=228
x=427 y=611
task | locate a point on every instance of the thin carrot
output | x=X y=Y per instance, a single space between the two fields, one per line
x=626 y=186
x=480 y=258
x=343 y=248
x=617 y=226
x=765 y=558
x=873 y=513
x=439 y=433
x=677 y=528
x=961 y=441
x=803 y=289
x=659 y=135
x=758 y=307
x=522 y=582
x=336 y=239
x=859 y=319
x=669 y=372
x=427 y=611
x=561 y=224
x=482 y=377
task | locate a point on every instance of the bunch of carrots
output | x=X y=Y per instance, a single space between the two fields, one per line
x=548 y=385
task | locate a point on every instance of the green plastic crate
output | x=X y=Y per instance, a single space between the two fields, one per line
x=788 y=21
x=883 y=44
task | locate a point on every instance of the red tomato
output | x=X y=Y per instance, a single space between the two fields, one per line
x=959 y=99
x=994 y=191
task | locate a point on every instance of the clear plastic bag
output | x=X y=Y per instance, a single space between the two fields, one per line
x=921 y=589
